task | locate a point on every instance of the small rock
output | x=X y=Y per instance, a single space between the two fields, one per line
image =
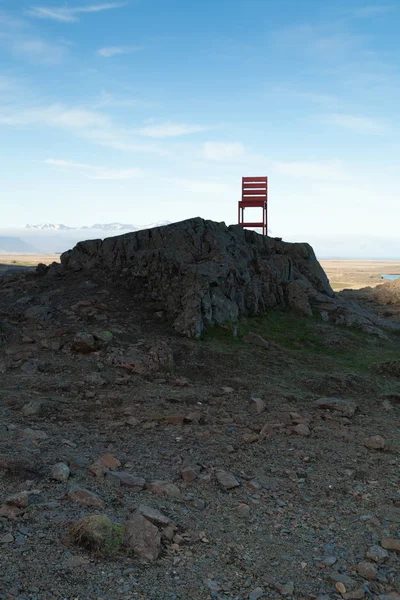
x=29 y=367
x=164 y=488
x=358 y=594
x=109 y=461
x=341 y=588
x=257 y=406
x=136 y=484
x=227 y=480
x=103 y=465
x=243 y=509
x=85 y=497
x=103 y=336
x=6 y=539
x=34 y=434
x=375 y=442
x=9 y=511
x=329 y=561
x=84 y=343
x=75 y=561
x=250 y=438
x=347 y=581
x=174 y=419
x=31 y=409
x=168 y=533
x=391 y=544
x=257 y=340
x=287 y=589
x=153 y=515
x=266 y=431
x=256 y=594
x=60 y=472
x=377 y=554
x=188 y=474
x=213 y=586
x=367 y=570
x=302 y=430
x=143 y=537
x=20 y=500
x=346 y=407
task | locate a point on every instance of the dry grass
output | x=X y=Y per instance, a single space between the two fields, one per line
x=357 y=274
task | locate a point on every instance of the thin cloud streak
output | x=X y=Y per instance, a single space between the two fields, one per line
x=317 y=171
x=356 y=123
x=96 y=172
x=223 y=151
x=69 y=14
x=16 y=38
x=110 y=51
x=165 y=130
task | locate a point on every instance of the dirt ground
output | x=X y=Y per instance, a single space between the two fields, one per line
x=311 y=506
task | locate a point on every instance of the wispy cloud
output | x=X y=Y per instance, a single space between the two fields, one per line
x=96 y=172
x=69 y=14
x=223 y=151
x=6 y=84
x=110 y=51
x=55 y=115
x=202 y=187
x=356 y=123
x=92 y=125
x=371 y=10
x=16 y=38
x=165 y=130
x=109 y=100
x=318 y=171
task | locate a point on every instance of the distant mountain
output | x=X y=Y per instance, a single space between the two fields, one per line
x=10 y=244
x=113 y=227
x=97 y=226
x=50 y=238
x=50 y=227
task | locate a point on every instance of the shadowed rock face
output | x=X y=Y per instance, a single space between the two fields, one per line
x=203 y=273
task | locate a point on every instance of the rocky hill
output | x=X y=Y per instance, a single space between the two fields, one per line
x=201 y=273
x=137 y=463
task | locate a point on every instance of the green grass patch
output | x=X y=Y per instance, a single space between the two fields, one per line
x=308 y=341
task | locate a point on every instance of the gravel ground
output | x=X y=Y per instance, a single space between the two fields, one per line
x=309 y=501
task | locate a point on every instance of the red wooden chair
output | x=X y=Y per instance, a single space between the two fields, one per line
x=254 y=195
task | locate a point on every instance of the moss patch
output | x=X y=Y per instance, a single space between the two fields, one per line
x=98 y=533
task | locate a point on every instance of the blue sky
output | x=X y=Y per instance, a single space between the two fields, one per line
x=149 y=110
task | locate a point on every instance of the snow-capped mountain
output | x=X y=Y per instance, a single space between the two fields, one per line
x=97 y=226
x=49 y=227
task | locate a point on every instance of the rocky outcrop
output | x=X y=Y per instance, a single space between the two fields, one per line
x=201 y=273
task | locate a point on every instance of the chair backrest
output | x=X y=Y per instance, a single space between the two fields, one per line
x=254 y=189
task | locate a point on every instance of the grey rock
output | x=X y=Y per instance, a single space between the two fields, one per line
x=142 y=537
x=60 y=472
x=256 y=594
x=84 y=343
x=136 y=484
x=227 y=480
x=377 y=554
x=347 y=581
x=153 y=515
x=346 y=407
